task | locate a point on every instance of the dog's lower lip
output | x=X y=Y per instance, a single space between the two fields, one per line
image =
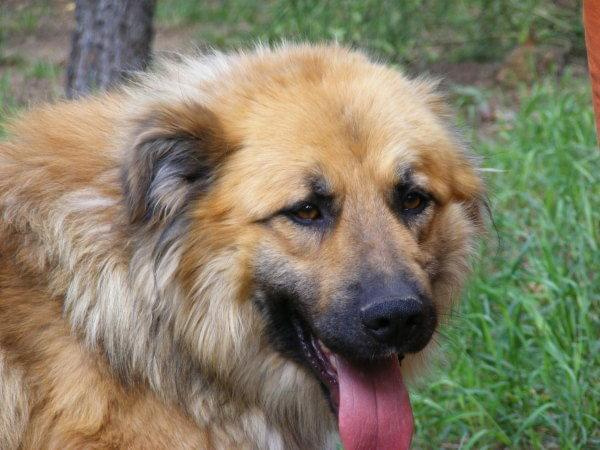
x=327 y=368
x=328 y=353
x=327 y=358
x=322 y=361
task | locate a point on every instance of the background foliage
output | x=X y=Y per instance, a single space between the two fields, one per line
x=408 y=31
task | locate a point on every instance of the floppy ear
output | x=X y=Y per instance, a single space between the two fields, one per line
x=173 y=157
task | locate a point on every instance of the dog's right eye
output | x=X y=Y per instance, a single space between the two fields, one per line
x=305 y=213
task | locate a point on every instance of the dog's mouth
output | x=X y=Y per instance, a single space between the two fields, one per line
x=370 y=400
x=322 y=361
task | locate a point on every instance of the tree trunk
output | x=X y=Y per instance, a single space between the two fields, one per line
x=112 y=37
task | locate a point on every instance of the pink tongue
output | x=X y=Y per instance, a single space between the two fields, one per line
x=374 y=411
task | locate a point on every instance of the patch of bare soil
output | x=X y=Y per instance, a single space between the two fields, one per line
x=181 y=39
x=45 y=39
x=465 y=73
x=50 y=42
x=49 y=39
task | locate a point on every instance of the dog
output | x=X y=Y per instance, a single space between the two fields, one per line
x=245 y=250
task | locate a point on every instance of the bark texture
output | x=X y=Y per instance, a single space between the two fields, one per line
x=112 y=38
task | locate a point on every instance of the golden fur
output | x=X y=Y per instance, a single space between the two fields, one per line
x=125 y=318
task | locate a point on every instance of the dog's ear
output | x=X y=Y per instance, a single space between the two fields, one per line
x=173 y=156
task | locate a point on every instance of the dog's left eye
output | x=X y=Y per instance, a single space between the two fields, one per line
x=413 y=202
x=306 y=213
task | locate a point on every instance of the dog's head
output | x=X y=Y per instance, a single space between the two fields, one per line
x=322 y=194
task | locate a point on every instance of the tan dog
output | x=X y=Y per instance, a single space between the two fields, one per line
x=237 y=252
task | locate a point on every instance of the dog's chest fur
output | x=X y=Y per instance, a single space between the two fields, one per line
x=58 y=394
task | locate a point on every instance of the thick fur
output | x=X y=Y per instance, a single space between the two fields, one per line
x=136 y=227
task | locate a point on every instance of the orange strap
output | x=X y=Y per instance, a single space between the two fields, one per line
x=591 y=22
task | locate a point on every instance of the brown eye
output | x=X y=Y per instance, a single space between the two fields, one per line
x=307 y=212
x=412 y=201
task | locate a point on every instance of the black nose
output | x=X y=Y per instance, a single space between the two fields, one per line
x=394 y=321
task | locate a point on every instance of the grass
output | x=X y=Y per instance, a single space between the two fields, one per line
x=523 y=351
x=401 y=31
x=43 y=69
